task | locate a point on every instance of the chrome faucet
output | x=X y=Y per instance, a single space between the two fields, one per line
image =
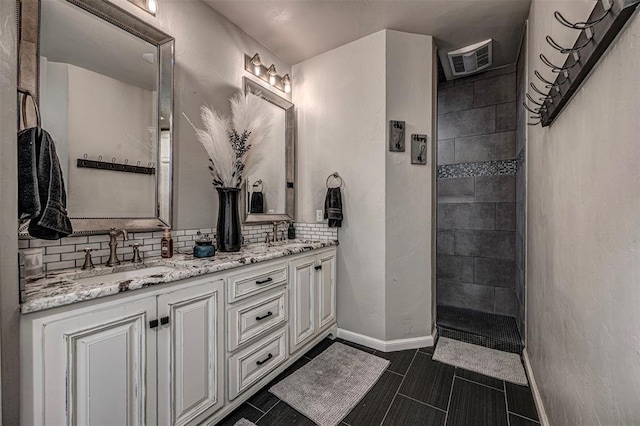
x=275 y=231
x=113 y=245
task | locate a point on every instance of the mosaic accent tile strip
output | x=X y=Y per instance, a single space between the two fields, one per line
x=62 y=254
x=488 y=168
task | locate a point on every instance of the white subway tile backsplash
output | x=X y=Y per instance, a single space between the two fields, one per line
x=60 y=254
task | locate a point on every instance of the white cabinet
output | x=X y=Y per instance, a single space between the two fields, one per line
x=190 y=353
x=312 y=289
x=98 y=368
x=134 y=361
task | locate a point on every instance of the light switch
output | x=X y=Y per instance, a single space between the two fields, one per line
x=319 y=216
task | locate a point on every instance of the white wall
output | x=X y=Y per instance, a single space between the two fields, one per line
x=344 y=99
x=340 y=105
x=408 y=188
x=583 y=245
x=209 y=66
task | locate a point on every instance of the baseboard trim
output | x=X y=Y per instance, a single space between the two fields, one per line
x=388 y=345
x=544 y=420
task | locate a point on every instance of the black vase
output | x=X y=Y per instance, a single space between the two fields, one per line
x=228 y=229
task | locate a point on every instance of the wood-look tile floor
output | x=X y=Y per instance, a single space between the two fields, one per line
x=414 y=390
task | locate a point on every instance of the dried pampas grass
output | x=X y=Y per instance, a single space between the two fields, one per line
x=229 y=140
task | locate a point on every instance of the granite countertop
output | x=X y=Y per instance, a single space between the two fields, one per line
x=64 y=287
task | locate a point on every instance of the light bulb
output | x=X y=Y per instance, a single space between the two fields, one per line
x=152 y=5
x=286 y=81
x=272 y=74
x=257 y=64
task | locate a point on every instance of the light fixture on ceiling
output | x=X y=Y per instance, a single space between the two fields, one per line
x=255 y=66
x=286 y=80
x=273 y=74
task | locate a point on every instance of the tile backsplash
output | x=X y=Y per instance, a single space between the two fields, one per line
x=64 y=253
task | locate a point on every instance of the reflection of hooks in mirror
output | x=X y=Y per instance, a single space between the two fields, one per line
x=335 y=175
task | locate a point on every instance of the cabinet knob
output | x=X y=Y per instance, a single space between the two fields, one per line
x=265 y=360
x=153 y=323
x=317 y=268
x=164 y=320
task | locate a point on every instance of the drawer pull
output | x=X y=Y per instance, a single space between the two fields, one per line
x=264 y=316
x=265 y=360
x=317 y=268
x=268 y=280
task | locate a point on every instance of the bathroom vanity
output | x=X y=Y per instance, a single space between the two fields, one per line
x=182 y=341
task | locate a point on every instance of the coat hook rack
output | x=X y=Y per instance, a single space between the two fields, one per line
x=605 y=22
x=114 y=166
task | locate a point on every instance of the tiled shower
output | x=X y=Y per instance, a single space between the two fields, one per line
x=480 y=187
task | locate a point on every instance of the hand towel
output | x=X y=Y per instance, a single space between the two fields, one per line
x=257 y=202
x=333 y=207
x=52 y=222
x=28 y=199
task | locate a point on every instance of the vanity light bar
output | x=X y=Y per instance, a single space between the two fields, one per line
x=254 y=65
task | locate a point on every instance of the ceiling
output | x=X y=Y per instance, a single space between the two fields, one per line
x=297 y=30
x=71 y=35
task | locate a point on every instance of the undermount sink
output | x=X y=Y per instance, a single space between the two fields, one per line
x=125 y=275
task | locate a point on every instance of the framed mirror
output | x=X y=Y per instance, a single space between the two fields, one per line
x=268 y=191
x=105 y=86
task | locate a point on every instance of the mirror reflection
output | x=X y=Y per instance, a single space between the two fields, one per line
x=99 y=101
x=267 y=183
x=269 y=187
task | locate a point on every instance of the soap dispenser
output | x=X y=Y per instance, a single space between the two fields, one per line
x=166 y=244
x=291 y=232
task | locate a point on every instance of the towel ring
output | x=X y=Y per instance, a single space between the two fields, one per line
x=256 y=184
x=335 y=175
x=26 y=93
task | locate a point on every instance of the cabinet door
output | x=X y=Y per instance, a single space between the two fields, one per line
x=190 y=353
x=303 y=301
x=326 y=289
x=99 y=367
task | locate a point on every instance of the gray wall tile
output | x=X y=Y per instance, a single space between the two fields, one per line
x=506 y=216
x=494 y=91
x=494 y=272
x=456 y=190
x=454 y=268
x=506 y=117
x=462 y=295
x=445 y=241
x=494 y=244
x=446 y=151
x=456 y=98
x=496 y=189
x=496 y=146
x=477 y=121
x=505 y=302
x=466 y=216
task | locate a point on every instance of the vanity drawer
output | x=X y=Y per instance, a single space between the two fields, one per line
x=256 y=281
x=256 y=317
x=255 y=362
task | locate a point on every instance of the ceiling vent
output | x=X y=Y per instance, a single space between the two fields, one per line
x=471 y=59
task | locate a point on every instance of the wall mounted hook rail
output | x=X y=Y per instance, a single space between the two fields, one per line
x=605 y=22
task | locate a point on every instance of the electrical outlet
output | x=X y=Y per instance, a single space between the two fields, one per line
x=319 y=216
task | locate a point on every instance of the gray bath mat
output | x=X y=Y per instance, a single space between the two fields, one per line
x=490 y=362
x=244 y=422
x=330 y=385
